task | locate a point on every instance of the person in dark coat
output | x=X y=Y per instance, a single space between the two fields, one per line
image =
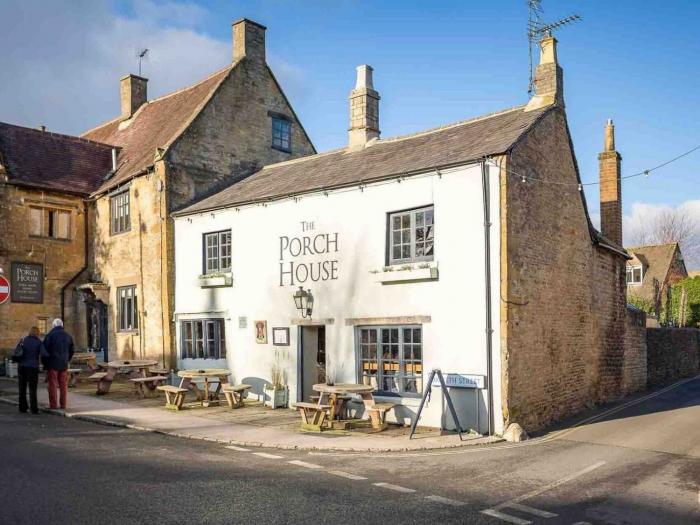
x=60 y=349
x=28 y=369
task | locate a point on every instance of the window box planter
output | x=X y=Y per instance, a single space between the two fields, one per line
x=215 y=280
x=276 y=396
x=407 y=273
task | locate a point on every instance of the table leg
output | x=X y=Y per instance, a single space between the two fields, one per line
x=205 y=401
x=106 y=381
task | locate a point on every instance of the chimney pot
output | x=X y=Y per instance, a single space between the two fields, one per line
x=609 y=162
x=249 y=41
x=364 y=109
x=133 y=94
x=549 y=77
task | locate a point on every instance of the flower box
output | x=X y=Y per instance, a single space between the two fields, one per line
x=407 y=273
x=276 y=397
x=215 y=280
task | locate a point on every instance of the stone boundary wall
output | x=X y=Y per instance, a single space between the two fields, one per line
x=672 y=353
x=634 y=368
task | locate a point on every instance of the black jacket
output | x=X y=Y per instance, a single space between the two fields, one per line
x=59 y=346
x=33 y=350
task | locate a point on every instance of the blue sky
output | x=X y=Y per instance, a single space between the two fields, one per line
x=435 y=63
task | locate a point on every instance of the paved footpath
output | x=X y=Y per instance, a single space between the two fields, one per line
x=637 y=464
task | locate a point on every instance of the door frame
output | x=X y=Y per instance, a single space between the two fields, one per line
x=300 y=354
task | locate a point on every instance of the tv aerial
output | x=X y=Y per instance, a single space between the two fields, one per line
x=538 y=29
x=141 y=54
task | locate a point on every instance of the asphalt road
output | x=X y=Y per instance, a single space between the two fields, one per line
x=639 y=465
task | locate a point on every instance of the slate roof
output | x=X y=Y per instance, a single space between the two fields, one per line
x=156 y=124
x=52 y=161
x=454 y=144
x=656 y=260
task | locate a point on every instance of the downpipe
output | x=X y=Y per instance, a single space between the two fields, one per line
x=486 y=192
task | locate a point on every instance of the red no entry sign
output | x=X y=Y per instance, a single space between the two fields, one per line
x=4 y=289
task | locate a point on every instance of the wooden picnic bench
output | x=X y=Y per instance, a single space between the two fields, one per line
x=313 y=415
x=73 y=374
x=145 y=386
x=174 y=396
x=377 y=412
x=234 y=394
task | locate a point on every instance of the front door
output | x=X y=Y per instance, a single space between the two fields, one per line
x=97 y=328
x=312 y=355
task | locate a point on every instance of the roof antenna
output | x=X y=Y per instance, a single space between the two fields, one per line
x=141 y=54
x=537 y=29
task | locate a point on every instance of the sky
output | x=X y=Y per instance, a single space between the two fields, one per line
x=435 y=63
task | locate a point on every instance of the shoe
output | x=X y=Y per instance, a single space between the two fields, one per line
x=35 y=412
x=22 y=411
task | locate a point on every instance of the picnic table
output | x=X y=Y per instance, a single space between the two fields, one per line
x=207 y=375
x=335 y=396
x=138 y=368
x=88 y=359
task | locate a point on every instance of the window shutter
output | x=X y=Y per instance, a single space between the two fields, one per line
x=35 y=221
x=63 y=224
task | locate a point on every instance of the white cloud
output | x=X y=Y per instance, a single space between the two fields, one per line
x=66 y=57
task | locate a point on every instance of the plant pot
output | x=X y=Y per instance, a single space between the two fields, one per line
x=276 y=397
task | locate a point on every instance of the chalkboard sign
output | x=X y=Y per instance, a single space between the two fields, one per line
x=27 y=283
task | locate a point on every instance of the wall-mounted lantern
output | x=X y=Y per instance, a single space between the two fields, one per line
x=304 y=302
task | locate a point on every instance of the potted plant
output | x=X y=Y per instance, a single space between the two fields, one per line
x=277 y=392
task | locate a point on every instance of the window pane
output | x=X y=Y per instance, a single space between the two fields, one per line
x=406 y=252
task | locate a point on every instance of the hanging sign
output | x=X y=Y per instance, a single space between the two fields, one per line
x=453 y=380
x=4 y=289
x=27 y=283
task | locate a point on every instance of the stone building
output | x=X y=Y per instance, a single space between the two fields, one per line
x=651 y=272
x=467 y=248
x=174 y=150
x=45 y=179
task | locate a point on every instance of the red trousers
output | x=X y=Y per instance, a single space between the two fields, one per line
x=58 y=379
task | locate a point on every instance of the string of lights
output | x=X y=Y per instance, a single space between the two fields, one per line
x=645 y=173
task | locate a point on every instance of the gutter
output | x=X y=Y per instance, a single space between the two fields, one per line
x=486 y=193
x=85 y=265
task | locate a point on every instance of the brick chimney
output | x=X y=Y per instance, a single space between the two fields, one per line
x=549 y=77
x=132 y=90
x=610 y=188
x=249 y=41
x=364 y=109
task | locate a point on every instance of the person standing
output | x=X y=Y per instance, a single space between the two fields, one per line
x=32 y=349
x=59 y=348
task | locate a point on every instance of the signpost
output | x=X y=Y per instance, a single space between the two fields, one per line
x=426 y=395
x=4 y=289
x=27 y=282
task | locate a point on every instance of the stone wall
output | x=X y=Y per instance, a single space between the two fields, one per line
x=62 y=260
x=634 y=371
x=563 y=298
x=672 y=353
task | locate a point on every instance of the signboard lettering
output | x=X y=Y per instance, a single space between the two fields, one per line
x=463 y=381
x=27 y=283
x=294 y=272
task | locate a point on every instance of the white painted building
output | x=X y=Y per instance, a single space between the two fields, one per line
x=399 y=242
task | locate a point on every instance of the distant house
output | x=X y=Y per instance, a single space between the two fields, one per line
x=652 y=270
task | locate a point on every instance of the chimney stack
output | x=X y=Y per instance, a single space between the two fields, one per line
x=249 y=41
x=549 y=77
x=610 y=188
x=133 y=93
x=364 y=109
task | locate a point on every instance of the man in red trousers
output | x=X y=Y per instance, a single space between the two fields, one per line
x=59 y=346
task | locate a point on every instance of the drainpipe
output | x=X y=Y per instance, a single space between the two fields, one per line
x=486 y=193
x=85 y=265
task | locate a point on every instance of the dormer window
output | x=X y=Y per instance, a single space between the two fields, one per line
x=281 y=132
x=635 y=275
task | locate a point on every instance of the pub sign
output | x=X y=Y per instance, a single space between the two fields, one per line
x=27 y=283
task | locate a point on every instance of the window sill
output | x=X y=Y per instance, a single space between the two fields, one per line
x=426 y=271
x=127 y=332
x=216 y=280
x=283 y=150
x=47 y=238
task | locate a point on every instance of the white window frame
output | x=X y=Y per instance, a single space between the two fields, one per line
x=127 y=314
x=216 y=252
x=401 y=364
x=630 y=274
x=408 y=233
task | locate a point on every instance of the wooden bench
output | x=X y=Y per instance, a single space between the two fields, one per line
x=312 y=415
x=97 y=376
x=234 y=394
x=146 y=385
x=377 y=413
x=158 y=371
x=174 y=396
x=73 y=374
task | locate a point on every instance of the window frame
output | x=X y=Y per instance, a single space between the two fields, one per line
x=211 y=347
x=116 y=202
x=285 y=128
x=134 y=309
x=412 y=212
x=629 y=272
x=49 y=223
x=218 y=257
x=401 y=376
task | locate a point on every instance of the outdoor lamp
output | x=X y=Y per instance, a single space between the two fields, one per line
x=304 y=301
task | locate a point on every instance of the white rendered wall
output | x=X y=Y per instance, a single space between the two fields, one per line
x=454 y=339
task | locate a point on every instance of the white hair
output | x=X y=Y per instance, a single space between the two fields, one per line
x=57 y=322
